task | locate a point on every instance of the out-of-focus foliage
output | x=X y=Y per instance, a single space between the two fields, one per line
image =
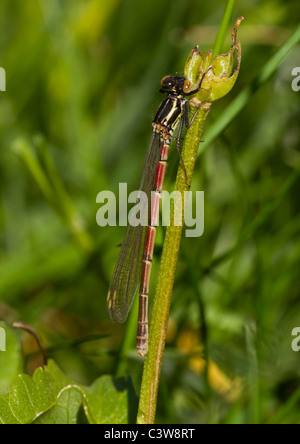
x=82 y=87
x=51 y=398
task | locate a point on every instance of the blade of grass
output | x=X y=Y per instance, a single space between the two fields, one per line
x=72 y=219
x=226 y=20
x=128 y=342
x=192 y=271
x=260 y=220
x=25 y=151
x=287 y=408
x=51 y=185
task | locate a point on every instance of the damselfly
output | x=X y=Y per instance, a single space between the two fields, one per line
x=136 y=255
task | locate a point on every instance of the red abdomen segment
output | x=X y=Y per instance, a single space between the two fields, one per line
x=142 y=331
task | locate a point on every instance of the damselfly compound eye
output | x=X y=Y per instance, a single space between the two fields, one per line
x=165 y=81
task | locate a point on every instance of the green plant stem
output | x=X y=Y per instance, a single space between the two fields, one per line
x=128 y=342
x=160 y=311
x=224 y=27
x=34 y=334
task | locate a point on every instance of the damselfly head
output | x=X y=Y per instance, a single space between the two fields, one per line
x=173 y=84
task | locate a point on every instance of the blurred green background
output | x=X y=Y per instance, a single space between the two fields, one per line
x=82 y=88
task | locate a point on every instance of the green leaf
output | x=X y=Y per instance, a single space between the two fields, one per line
x=49 y=397
x=111 y=401
x=66 y=409
x=29 y=397
x=11 y=358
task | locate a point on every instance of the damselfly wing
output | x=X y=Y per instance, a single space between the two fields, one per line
x=127 y=272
